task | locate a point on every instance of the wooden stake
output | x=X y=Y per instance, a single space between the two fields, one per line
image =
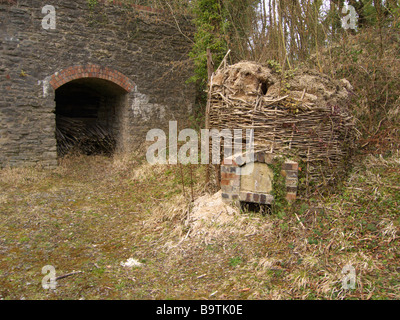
x=210 y=70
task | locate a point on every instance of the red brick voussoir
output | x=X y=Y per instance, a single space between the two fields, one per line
x=91 y=71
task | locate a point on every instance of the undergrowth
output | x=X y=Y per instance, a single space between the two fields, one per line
x=92 y=213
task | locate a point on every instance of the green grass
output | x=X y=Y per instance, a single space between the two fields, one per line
x=233 y=262
x=92 y=213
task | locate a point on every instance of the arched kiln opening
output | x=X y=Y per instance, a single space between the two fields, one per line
x=89 y=116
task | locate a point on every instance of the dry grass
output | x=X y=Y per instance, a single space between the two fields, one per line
x=93 y=213
x=369 y=60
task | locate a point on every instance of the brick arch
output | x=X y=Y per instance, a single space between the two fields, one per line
x=91 y=71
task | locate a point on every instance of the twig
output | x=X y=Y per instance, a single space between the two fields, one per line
x=392 y=187
x=304 y=92
x=210 y=67
x=182 y=178
x=224 y=60
x=68 y=275
x=214 y=293
x=177 y=24
x=299 y=220
x=191 y=181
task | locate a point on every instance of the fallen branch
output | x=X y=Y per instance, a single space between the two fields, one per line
x=68 y=275
x=392 y=187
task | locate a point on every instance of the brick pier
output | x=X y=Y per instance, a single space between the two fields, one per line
x=239 y=180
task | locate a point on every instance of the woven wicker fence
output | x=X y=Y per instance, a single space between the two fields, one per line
x=303 y=117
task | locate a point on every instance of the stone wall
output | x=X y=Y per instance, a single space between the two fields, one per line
x=136 y=48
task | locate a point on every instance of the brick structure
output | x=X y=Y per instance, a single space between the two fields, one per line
x=126 y=66
x=91 y=71
x=239 y=179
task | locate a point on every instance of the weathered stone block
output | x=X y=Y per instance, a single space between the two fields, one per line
x=291 y=182
x=258 y=178
x=290 y=165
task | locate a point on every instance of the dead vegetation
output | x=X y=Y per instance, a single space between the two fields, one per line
x=91 y=215
x=75 y=135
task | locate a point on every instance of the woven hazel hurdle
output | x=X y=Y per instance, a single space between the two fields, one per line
x=304 y=117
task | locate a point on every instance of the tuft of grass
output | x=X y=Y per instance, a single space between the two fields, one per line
x=235 y=261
